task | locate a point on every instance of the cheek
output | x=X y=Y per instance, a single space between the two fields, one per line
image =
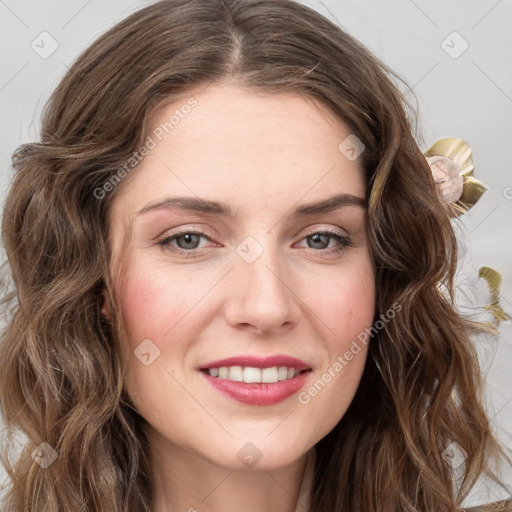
x=357 y=315
x=156 y=305
x=141 y=304
x=351 y=315
x=345 y=303
x=153 y=302
x=347 y=309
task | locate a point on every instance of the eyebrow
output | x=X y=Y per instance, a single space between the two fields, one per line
x=222 y=209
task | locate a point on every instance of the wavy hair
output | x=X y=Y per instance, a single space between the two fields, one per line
x=61 y=361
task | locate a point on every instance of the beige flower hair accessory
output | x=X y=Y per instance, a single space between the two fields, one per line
x=447 y=177
x=452 y=167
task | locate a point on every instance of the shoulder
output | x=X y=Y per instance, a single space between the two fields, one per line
x=499 y=506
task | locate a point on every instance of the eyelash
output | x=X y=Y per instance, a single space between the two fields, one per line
x=344 y=240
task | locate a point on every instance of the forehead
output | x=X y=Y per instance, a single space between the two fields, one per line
x=243 y=148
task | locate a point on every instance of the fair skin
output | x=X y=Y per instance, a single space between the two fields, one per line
x=264 y=155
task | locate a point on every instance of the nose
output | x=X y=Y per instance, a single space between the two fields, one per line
x=263 y=298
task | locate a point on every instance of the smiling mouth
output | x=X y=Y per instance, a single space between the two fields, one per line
x=245 y=385
x=253 y=375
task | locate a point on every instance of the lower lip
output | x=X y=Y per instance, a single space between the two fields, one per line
x=259 y=393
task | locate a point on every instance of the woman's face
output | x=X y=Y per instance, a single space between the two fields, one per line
x=258 y=280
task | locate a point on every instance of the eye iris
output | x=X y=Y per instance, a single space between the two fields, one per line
x=187 y=237
x=191 y=240
x=317 y=238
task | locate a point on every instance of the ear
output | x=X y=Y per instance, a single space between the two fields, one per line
x=105 y=310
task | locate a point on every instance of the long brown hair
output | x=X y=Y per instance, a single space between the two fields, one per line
x=61 y=361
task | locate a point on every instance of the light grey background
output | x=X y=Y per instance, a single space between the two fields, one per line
x=461 y=92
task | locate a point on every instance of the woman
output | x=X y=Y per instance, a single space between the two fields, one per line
x=227 y=252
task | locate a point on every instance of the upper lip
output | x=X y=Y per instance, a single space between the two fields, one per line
x=259 y=362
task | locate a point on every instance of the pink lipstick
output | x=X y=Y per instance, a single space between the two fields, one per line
x=240 y=378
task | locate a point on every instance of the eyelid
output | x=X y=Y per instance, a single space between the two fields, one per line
x=329 y=228
x=344 y=241
x=189 y=228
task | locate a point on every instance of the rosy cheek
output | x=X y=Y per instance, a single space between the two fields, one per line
x=158 y=302
x=148 y=305
x=353 y=309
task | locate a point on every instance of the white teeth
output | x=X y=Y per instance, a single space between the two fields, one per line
x=251 y=375
x=235 y=373
x=283 y=372
x=269 y=374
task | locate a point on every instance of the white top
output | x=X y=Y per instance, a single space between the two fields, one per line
x=303 y=501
